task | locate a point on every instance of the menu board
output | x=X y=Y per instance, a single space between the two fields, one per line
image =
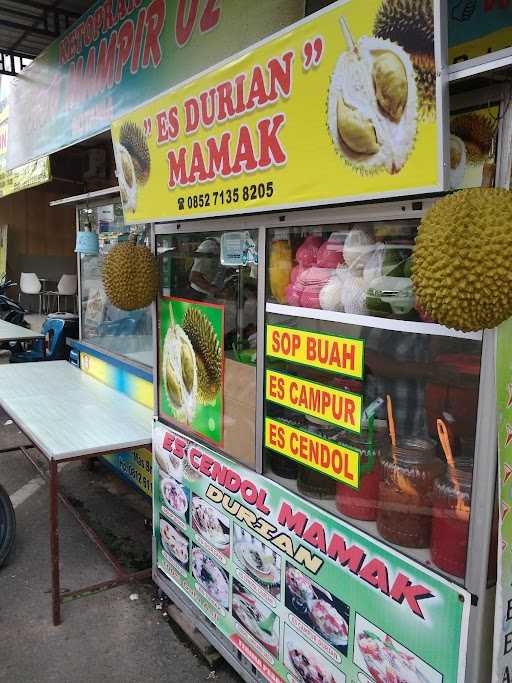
x=304 y=596
x=325 y=404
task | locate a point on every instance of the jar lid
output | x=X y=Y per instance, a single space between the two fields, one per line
x=463 y=475
x=414 y=451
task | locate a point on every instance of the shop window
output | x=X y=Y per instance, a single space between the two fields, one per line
x=207 y=338
x=124 y=333
x=344 y=332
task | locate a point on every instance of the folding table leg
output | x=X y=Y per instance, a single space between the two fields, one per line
x=54 y=541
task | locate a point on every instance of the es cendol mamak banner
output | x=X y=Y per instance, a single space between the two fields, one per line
x=122 y=52
x=331 y=110
x=304 y=596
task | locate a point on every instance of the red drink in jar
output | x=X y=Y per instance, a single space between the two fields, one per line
x=450 y=521
x=406 y=480
x=361 y=503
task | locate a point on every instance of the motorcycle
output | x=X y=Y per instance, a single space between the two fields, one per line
x=7 y=525
x=10 y=310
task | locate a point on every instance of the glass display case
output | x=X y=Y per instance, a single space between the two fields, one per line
x=341 y=346
x=207 y=341
x=123 y=333
x=352 y=281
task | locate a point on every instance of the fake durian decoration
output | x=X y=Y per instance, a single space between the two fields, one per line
x=410 y=24
x=130 y=275
x=179 y=372
x=461 y=267
x=477 y=132
x=133 y=162
x=207 y=352
x=372 y=103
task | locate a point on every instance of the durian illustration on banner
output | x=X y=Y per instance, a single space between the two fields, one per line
x=192 y=365
x=340 y=107
x=461 y=268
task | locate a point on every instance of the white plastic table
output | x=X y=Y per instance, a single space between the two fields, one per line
x=69 y=415
x=10 y=332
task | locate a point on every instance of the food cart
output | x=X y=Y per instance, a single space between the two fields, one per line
x=324 y=452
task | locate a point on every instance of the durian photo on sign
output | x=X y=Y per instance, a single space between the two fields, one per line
x=192 y=365
x=133 y=162
x=381 y=85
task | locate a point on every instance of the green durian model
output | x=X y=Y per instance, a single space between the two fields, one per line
x=130 y=275
x=208 y=354
x=461 y=262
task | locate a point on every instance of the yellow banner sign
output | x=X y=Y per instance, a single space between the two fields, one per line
x=327 y=111
x=316 y=350
x=342 y=408
x=337 y=461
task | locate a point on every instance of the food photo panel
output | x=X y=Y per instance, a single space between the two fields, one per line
x=175 y=496
x=256 y=618
x=210 y=577
x=211 y=525
x=175 y=544
x=382 y=657
x=305 y=663
x=321 y=611
x=258 y=560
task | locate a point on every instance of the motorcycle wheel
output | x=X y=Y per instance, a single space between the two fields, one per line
x=7 y=525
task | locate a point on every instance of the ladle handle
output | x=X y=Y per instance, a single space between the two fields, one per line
x=391 y=421
x=444 y=438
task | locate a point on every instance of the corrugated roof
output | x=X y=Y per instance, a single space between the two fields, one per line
x=27 y=27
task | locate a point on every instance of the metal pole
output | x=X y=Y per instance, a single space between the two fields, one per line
x=54 y=541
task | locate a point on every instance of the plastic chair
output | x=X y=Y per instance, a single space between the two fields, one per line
x=51 y=348
x=30 y=284
x=67 y=286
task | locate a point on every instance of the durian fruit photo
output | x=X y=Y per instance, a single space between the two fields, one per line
x=130 y=275
x=179 y=372
x=477 y=131
x=133 y=163
x=410 y=24
x=208 y=354
x=126 y=178
x=371 y=108
x=461 y=261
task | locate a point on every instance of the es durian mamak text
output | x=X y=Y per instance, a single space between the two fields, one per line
x=240 y=149
x=288 y=529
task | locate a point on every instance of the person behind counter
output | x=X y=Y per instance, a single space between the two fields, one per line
x=207 y=275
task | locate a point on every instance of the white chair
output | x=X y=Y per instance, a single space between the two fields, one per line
x=67 y=286
x=30 y=284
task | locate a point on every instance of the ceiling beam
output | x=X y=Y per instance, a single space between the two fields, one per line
x=47 y=32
